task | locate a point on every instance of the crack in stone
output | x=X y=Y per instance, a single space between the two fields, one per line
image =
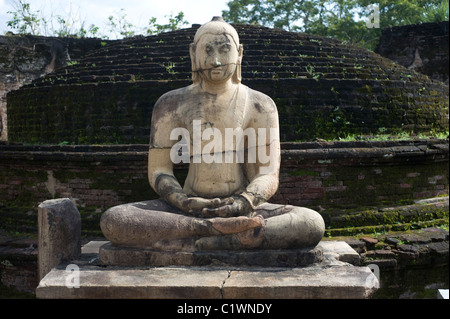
x=223 y=283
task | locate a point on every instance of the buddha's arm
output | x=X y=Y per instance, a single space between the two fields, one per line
x=160 y=174
x=263 y=177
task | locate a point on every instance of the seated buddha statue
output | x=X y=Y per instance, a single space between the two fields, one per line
x=229 y=136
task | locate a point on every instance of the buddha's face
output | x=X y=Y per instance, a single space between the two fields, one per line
x=216 y=57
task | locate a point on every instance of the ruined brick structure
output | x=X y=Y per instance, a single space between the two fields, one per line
x=322 y=87
x=24 y=58
x=421 y=47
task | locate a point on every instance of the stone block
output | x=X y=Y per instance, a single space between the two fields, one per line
x=134 y=283
x=125 y=256
x=59 y=233
x=314 y=282
x=330 y=279
x=341 y=251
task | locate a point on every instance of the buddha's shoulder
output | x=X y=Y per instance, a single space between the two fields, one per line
x=175 y=96
x=261 y=101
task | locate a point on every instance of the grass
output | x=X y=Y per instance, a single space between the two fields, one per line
x=389 y=137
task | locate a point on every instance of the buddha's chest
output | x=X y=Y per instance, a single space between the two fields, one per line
x=217 y=115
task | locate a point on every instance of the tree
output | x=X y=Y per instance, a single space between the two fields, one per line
x=283 y=14
x=27 y=21
x=24 y=20
x=341 y=19
x=175 y=23
x=120 y=26
x=404 y=12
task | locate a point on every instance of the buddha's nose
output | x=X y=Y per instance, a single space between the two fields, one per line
x=217 y=62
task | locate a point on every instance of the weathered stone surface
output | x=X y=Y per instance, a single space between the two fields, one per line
x=59 y=235
x=315 y=282
x=341 y=251
x=369 y=240
x=329 y=279
x=135 y=283
x=125 y=256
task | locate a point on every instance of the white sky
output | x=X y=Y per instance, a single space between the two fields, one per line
x=138 y=11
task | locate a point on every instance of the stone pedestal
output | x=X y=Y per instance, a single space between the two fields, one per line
x=59 y=234
x=111 y=255
x=332 y=278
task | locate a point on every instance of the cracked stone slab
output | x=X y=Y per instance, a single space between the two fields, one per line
x=132 y=283
x=331 y=278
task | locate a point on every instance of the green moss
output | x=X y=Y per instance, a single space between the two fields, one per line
x=378 y=229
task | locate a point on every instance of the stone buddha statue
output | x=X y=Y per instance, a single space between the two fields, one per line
x=229 y=135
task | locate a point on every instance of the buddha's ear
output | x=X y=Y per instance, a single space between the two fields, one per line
x=192 y=49
x=237 y=76
x=241 y=53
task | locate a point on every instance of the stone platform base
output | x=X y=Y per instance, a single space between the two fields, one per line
x=111 y=255
x=333 y=278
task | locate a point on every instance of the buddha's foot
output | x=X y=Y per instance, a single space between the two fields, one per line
x=248 y=239
x=234 y=225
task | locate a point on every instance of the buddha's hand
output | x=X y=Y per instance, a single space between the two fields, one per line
x=229 y=207
x=194 y=205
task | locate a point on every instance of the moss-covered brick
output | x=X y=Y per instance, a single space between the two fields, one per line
x=329 y=93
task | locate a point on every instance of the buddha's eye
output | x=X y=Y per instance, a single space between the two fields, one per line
x=209 y=49
x=225 y=48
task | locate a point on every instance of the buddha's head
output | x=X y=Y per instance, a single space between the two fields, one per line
x=216 y=54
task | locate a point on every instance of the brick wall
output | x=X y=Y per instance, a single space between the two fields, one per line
x=350 y=175
x=323 y=176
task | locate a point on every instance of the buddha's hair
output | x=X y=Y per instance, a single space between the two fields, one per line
x=217 y=26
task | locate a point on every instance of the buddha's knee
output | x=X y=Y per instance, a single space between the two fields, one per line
x=299 y=227
x=121 y=226
x=111 y=224
x=311 y=225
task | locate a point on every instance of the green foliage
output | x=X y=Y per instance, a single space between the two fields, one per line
x=120 y=26
x=27 y=21
x=24 y=20
x=174 y=24
x=341 y=19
